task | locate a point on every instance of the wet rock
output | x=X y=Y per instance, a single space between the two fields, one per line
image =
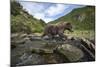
x=42 y=51
x=87 y=43
x=23 y=35
x=20 y=41
x=14 y=35
x=45 y=37
x=51 y=58
x=18 y=36
x=46 y=48
x=30 y=35
x=31 y=50
x=89 y=46
x=35 y=38
x=13 y=46
x=93 y=41
x=46 y=51
x=71 y=52
x=29 y=59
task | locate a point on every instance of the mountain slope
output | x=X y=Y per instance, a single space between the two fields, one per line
x=22 y=21
x=82 y=18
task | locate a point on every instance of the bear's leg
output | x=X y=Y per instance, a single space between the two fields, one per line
x=62 y=36
x=50 y=36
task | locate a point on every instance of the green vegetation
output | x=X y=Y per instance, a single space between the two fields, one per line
x=22 y=21
x=83 y=21
x=81 y=18
x=89 y=34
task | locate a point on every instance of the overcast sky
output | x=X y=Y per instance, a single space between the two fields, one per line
x=48 y=11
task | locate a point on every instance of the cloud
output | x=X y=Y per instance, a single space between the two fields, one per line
x=47 y=11
x=55 y=9
x=48 y=19
x=42 y=16
x=39 y=15
x=32 y=7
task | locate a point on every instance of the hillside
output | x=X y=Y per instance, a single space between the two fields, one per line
x=82 y=18
x=22 y=21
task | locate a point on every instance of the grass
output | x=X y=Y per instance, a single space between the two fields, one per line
x=90 y=34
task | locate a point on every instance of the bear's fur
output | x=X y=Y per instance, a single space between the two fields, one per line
x=52 y=30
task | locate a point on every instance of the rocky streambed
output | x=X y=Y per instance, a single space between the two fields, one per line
x=28 y=49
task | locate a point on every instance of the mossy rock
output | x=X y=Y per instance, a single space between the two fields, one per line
x=71 y=52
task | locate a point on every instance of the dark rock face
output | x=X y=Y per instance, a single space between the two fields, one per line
x=33 y=50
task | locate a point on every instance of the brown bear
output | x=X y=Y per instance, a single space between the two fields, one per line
x=52 y=30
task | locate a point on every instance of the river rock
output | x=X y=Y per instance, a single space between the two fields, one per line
x=29 y=59
x=87 y=43
x=71 y=52
x=32 y=50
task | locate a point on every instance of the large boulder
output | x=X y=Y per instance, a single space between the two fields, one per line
x=71 y=52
